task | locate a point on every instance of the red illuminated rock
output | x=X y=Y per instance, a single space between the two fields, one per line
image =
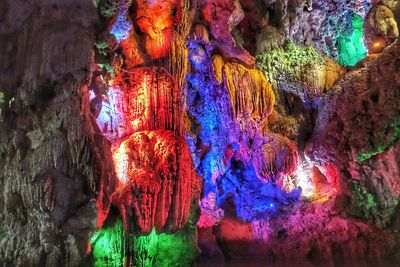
x=144 y=99
x=155 y=179
x=237 y=237
x=156 y=19
x=152 y=100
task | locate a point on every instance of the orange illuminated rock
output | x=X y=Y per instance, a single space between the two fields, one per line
x=281 y=157
x=155 y=180
x=250 y=93
x=133 y=55
x=380 y=28
x=156 y=18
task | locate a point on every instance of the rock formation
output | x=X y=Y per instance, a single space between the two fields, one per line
x=160 y=133
x=380 y=28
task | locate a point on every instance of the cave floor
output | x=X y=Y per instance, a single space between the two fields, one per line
x=298 y=263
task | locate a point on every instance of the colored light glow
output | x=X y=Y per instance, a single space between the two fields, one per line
x=253 y=199
x=176 y=249
x=111 y=115
x=350 y=43
x=121 y=27
x=141 y=108
x=113 y=247
x=108 y=246
x=211 y=118
x=121 y=163
x=230 y=173
x=159 y=46
x=388 y=136
x=151 y=100
x=303 y=177
x=365 y=203
x=92 y=95
x=141 y=100
x=210 y=214
x=292 y=62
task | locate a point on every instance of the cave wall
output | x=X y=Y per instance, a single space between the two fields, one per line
x=155 y=133
x=50 y=149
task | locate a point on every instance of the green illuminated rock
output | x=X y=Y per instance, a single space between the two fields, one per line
x=300 y=70
x=365 y=204
x=109 y=246
x=288 y=61
x=113 y=247
x=107 y=8
x=387 y=137
x=349 y=42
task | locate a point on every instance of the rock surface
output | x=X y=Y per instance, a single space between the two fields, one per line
x=118 y=111
x=357 y=128
x=50 y=146
x=155 y=180
x=311 y=231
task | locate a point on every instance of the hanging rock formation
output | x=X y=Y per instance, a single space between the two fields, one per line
x=144 y=99
x=204 y=129
x=155 y=178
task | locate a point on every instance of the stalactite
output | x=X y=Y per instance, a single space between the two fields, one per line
x=250 y=92
x=159 y=46
x=218 y=63
x=143 y=99
x=155 y=176
x=177 y=60
x=177 y=65
x=281 y=157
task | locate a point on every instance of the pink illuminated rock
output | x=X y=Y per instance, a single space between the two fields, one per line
x=223 y=16
x=308 y=229
x=210 y=214
x=356 y=134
